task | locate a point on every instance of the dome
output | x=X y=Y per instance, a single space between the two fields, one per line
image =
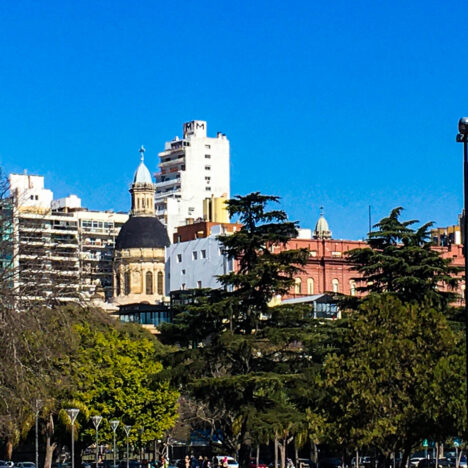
x=322 y=230
x=142 y=175
x=141 y=232
x=322 y=225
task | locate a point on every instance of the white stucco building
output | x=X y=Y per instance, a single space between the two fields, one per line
x=192 y=169
x=196 y=263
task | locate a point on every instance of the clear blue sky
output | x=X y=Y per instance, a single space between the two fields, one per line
x=337 y=103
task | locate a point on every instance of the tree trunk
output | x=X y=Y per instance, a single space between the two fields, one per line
x=405 y=457
x=8 y=449
x=357 y=459
x=257 y=456
x=50 y=447
x=315 y=453
x=276 y=452
x=437 y=455
x=283 y=452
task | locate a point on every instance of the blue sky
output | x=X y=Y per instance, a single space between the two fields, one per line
x=344 y=104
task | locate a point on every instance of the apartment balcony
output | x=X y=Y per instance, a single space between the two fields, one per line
x=167 y=183
x=173 y=161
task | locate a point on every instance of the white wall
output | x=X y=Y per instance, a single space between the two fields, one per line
x=185 y=272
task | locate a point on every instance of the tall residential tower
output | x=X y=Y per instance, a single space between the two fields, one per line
x=192 y=169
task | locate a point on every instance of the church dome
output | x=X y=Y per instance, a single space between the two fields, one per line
x=141 y=232
x=322 y=230
x=142 y=175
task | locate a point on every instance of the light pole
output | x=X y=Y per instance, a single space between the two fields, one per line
x=114 y=424
x=462 y=137
x=38 y=407
x=96 y=421
x=72 y=414
x=127 y=432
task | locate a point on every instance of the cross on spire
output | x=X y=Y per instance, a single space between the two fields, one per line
x=142 y=152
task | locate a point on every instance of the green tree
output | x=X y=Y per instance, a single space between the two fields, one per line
x=237 y=369
x=116 y=373
x=401 y=260
x=385 y=387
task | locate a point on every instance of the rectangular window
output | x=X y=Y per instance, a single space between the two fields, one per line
x=194 y=255
x=183 y=272
x=208 y=189
x=203 y=253
x=207 y=178
x=207 y=156
x=179 y=258
x=208 y=168
x=208 y=146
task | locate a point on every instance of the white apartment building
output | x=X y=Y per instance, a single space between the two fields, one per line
x=59 y=249
x=196 y=263
x=191 y=169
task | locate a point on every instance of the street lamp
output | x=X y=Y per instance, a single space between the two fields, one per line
x=127 y=432
x=96 y=421
x=462 y=137
x=72 y=414
x=114 y=424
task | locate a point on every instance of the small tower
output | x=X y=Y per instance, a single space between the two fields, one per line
x=322 y=231
x=142 y=190
x=139 y=255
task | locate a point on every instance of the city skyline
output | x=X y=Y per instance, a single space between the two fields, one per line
x=338 y=105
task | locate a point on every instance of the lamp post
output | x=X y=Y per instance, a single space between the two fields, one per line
x=462 y=137
x=96 y=421
x=36 y=414
x=127 y=432
x=72 y=414
x=114 y=424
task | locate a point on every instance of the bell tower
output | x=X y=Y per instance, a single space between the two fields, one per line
x=142 y=190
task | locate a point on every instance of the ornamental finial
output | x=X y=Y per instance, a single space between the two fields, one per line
x=142 y=152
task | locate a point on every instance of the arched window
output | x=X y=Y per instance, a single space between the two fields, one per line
x=336 y=285
x=297 y=286
x=310 y=286
x=117 y=284
x=127 y=283
x=149 y=282
x=160 y=283
x=352 y=287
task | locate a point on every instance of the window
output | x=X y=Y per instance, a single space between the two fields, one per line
x=352 y=287
x=160 y=283
x=208 y=189
x=207 y=156
x=149 y=282
x=199 y=284
x=194 y=255
x=117 y=280
x=208 y=146
x=179 y=258
x=207 y=178
x=335 y=285
x=127 y=283
x=310 y=286
x=183 y=287
x=203 y=253
x=183 y=272
x=297 y=286
x=208 y=168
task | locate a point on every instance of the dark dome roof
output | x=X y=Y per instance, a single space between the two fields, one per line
x=142 y=232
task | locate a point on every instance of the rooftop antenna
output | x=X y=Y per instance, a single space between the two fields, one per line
x=142 y=152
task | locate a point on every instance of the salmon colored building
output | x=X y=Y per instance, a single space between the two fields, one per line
x=328 y=268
